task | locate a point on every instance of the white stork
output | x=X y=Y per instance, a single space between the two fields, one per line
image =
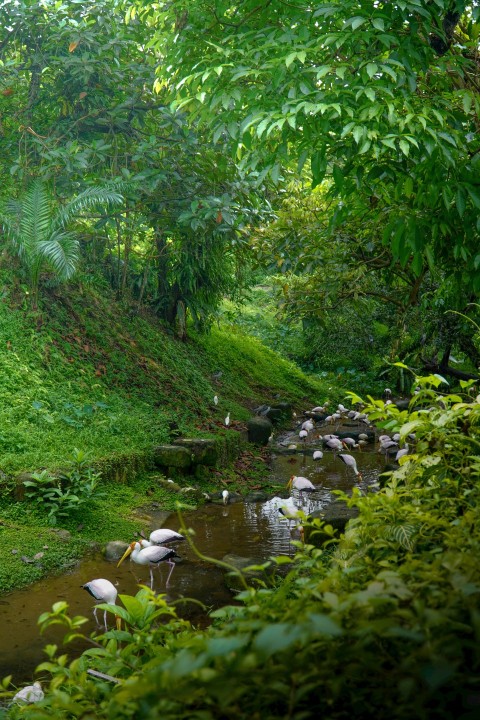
x=29 y=694
x=103 y=591
x=163 y=536
x=350 y=461
x=152 y=556
x=300 y=483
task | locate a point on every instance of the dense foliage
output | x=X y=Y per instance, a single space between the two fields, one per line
x=385 y=622
x=78 y=110
x=378 y=101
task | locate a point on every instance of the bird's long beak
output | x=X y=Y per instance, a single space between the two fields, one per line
x=290 y=483
x=127 y=552
x=118 y=622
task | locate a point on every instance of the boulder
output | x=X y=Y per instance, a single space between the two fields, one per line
x=336 y=514
x=259 y=430
x=114 y=550
x=239 y=563
x=285 y=408
x=256 y=496
x=174 y=456
x=202 y=451
x=274 y=415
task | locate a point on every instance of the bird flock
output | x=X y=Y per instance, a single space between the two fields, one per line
x=341 y=446
x=150 y=553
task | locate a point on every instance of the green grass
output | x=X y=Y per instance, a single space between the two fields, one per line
x=84 y=373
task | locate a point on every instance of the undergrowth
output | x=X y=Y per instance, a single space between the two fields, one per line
x=384 y=623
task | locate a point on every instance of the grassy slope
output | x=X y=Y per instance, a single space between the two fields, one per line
x=83 y=373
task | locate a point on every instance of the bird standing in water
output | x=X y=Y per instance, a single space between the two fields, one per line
x=300 y=483
x=350 y=461
x=152 y=556
x=225 y=496
x=103 y=591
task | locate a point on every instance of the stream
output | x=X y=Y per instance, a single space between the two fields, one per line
x=251 y=530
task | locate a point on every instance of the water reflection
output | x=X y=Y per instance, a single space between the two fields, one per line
x=249 y=530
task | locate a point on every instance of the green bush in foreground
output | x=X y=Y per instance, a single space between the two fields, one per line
x=385 y=624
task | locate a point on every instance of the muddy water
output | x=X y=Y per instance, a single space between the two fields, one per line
x=253 y=530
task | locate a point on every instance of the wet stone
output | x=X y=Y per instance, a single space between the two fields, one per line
x=239 y=563
x=256 y=496
x=62 y=534
x=114 y=550
x=275 y=415
x=337 y=514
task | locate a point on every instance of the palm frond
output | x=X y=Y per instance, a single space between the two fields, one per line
x=35 y=219
x=87 y=200
x=61 y=251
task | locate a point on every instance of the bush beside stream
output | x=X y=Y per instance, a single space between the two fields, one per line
x=383 y=624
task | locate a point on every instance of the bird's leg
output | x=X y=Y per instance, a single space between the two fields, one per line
x=151 y=579
x=95 y=614
x=105 y=620
x=172 y=566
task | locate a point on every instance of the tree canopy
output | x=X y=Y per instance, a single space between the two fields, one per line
x=381 y=98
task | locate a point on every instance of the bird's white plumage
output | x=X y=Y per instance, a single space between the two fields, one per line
x=301 y=483
x=151 y=556
x=165 y=536
x=350 y=461
x=102 y=591
x=289 y=510
x=29 y=694
x=317 y=455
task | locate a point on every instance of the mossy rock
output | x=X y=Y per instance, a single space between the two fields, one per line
x=172 y=456
x=203 y=451
x=337 y=514
x=259 y=430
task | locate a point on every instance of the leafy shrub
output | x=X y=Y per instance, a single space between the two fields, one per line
x=383 y=624
x=61 y=495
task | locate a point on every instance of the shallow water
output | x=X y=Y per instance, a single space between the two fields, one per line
x=252 y=530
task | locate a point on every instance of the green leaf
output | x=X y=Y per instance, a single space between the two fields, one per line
x=408 y=187
x=357 y=22
x=277 y=638
x=372 y=68
x=378 y=23
x=460 y=201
